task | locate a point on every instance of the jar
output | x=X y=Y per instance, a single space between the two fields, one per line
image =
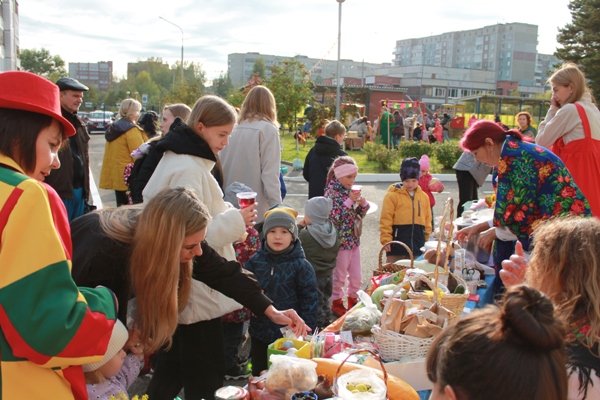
x=232 y=393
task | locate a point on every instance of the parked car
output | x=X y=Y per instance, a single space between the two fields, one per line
x=99 y=120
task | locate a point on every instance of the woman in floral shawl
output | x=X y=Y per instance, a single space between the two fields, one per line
x=533 y=185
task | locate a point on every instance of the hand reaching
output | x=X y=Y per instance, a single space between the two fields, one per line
x=288 y=317
x=513 y=270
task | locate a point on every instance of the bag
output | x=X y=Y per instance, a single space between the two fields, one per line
x=376 y=385
x=291 y=374
x=361 y=320
x=357 y=226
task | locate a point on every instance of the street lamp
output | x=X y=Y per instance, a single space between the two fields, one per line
x=181 y=43
x=339 y=66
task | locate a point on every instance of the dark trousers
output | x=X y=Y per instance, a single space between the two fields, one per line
x=467 y=189
x=324 y=291
x=232 y=337
x=121 y=197
x=258 y=352
x=195 y=362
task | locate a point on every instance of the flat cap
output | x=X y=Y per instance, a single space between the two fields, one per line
x=71 y=84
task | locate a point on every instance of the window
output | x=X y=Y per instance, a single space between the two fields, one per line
x=440 y=92
x=485 y=56
x=453 y=93
x=485 y=47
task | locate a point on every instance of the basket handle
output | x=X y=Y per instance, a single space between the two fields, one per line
x=410 y=253
x=376 y=356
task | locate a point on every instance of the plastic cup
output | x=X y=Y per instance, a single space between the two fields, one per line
x=356 y=188
x=246 y=199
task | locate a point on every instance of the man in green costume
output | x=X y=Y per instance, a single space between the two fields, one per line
x=386 y=125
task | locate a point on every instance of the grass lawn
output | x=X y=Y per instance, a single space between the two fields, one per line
x=366 y=167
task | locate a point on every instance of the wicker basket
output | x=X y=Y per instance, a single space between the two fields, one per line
x=453 y=302
x=392 y=268
x=393 y=345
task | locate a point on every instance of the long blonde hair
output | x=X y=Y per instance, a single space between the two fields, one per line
x=258 y=104
x=211 y=111
x=565 y=264
x=569 y=73
x=160 y=282
x=129 y=108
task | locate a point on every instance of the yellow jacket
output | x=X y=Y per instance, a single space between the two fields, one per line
x=117 y=155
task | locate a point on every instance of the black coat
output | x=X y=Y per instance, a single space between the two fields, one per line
x=317 y=163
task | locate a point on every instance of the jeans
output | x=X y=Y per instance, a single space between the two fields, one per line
x=74 y=206
x=395 y=140
x=446 y=137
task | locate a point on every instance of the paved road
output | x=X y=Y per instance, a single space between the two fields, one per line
x=297 y=196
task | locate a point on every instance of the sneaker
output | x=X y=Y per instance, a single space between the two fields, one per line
x=352 y=302
x=337 y=306
x=238 y=372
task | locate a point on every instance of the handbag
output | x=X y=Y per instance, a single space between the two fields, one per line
x=357 y=226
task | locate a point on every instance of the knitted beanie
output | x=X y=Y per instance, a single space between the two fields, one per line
x=410 y=169
x=424 y=162
x=318 y=209
x=283 y=216
x=119 y=337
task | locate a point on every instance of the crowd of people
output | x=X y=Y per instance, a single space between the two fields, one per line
x=170 y=275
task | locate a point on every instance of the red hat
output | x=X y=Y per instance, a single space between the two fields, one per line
x=30 y=92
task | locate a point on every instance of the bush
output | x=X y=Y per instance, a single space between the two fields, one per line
x=447 y=154
x=415 y=149
x=381 y=155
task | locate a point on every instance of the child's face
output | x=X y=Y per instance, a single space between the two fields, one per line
x=423 y=173
x=113 y=366
x=279 y=238
x=348 y=180
x=307 y=220
x=410 y=184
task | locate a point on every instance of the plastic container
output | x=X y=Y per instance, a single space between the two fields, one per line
x=304 y=396
x=232 y=393
x=300 y=345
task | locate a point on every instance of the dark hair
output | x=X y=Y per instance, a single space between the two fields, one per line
x=475 y=136
x=19 y=131
x=148 y=123
x=512 y=351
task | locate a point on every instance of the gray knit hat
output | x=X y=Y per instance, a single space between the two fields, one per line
x=283 y=216
x=318 y=209
x=119 y=337
x=410 y=169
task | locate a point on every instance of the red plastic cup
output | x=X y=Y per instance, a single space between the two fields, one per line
x=246 y=199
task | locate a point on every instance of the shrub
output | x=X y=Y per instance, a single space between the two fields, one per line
x=415 y=149
x=381 y=155
x=370 y=150
x=447 y=154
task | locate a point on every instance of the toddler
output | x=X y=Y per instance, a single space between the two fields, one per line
x=117 y=370
x=428 y=183
x=349 y=207
x=321 y=244
x=405 y=214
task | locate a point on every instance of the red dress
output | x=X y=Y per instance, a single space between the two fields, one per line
x=582 y=158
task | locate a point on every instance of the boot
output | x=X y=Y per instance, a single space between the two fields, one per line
x=352 y=302
x=337 y=306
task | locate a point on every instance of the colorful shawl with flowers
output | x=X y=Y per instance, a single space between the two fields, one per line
x=533 y=185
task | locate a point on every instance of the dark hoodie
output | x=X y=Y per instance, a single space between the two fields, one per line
x=118 y=128
x=317 y=163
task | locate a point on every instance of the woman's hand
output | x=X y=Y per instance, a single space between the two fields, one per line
x=288 y=317
x=465 y=234
x=487 y=238
x=249 y=214
x=513 y=270
x=134 y=345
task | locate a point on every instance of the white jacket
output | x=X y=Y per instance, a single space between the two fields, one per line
x=253 y=157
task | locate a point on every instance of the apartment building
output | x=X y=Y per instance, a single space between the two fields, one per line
x=97 y=74
x=9 y=35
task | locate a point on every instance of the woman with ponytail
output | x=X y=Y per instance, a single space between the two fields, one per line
x=533 y=184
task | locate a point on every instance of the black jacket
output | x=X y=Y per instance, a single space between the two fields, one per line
x=317 y=163
x=74 y=162
x=101 y=260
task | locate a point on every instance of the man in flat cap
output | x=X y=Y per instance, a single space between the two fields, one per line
x=72 y=181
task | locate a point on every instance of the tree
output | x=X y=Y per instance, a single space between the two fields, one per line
x=581 y=40
x=259 y=68
x=222 y=85
x=41 y=62
x=292 y=90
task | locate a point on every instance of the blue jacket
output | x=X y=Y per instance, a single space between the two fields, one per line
x=289 y=281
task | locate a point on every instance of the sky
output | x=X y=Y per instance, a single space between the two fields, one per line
x=125 y=31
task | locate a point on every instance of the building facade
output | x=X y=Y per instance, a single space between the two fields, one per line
x=240 y=65
x=9 y=35
x=97 y=74
x=508 y=50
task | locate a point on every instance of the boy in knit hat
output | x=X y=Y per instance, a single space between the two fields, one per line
x=405 y=214
x=285 y=277
x=321 y=244
x=113 y=375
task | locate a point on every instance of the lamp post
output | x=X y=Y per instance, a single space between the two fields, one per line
x=177 y=26
x=339 y=66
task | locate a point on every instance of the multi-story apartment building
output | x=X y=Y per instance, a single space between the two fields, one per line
x=9 y=35
x=240 y=65
x=509 y=50
x=97 y=74
x=544 y=64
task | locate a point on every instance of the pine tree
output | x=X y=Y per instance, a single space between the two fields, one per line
x=581 y=40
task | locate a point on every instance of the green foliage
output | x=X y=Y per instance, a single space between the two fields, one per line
x=187 y=93
x=371 y=149
x=317 y=116
x=259 y=68
x=222 y=85
x=448 y=154
x=580 y=40
x=292 y=90
x=41 y=62
x=381 y=155
x=415 y=149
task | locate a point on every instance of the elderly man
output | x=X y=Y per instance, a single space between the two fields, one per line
x=71 y=181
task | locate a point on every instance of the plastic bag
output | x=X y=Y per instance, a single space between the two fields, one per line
x=361 y=320
x=348 y=383
x=291 y=373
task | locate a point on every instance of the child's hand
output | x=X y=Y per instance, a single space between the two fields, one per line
x=387 y=248
x=354 y=196
x=302 y=222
